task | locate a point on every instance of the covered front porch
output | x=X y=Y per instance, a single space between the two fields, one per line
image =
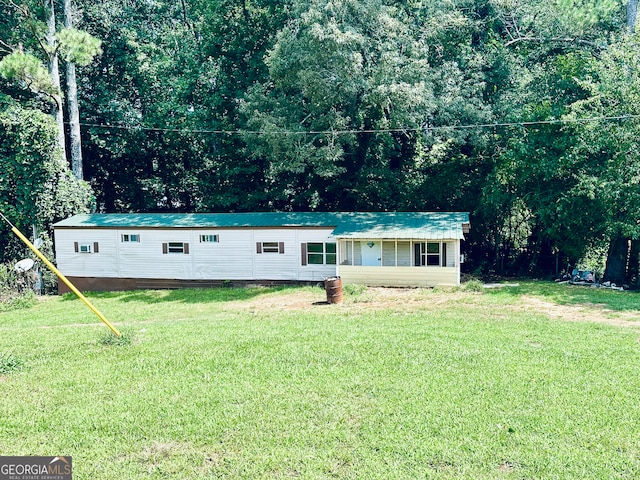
x=399 y=262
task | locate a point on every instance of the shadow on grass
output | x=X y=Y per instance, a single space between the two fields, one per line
x=183 y=295
x=565 y=294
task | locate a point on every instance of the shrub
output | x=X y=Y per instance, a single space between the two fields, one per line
x=15 y=288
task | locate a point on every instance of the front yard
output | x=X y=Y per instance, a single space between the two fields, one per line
x=536 y=381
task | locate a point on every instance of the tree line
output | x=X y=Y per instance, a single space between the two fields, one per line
x=524 y=114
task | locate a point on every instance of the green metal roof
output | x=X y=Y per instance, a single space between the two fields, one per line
x=371 y=225
x=200 y=220
x=416 y=225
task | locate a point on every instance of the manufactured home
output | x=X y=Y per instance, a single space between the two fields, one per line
x=133 y=251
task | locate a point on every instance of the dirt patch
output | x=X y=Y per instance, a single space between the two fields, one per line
x=287 y=300
x=407 y=299
x=371 y=298
x=581 y=313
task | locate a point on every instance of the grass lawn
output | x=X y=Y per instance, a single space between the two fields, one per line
x=539 y=381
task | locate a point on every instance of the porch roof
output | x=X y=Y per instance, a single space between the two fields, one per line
x=403 y=225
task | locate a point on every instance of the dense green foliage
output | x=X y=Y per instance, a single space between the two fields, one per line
x=36 y=187
x=509 y=110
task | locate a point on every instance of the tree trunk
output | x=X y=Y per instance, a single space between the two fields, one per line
x=632 y=14
x=617 y=255
x=633 y=272
x=75 y=141
x=54 y=72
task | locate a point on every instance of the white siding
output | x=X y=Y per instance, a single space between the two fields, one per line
x=146 y=260
x=288 y=265
x=451 y=254
x=233 y=257
x=396 y=253
x=404 y=253
x=314 y=272
x=101 y=264
x=276 y=266
x=389 y=253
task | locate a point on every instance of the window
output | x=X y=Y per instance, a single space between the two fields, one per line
x=315 y=253
x=209 y=239
x=427 y=254
x=433 y=254
x=175 y=247
x=330 y=253
x=319 y=254
x=269 y=247
x=130 y=237
x=86 y=247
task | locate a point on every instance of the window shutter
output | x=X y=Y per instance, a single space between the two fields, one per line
x=186 y=248
x=444 y=254
x=417 y=256
x=165 y=248
x=76 y=247
x=258 y=247
x=95 y=247
x=281 y=247
x=303 y=250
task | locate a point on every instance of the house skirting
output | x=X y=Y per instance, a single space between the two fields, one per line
x=103 y=284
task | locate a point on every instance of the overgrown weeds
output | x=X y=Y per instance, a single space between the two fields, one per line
x=354 y=290
x=10 y=300
x=15 y=289
x=472 y=286
x=10 y=363
x=107 y=337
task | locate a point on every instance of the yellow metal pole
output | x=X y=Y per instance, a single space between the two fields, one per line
x=63 y=278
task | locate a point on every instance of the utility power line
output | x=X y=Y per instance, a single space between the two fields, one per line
x=426 y=128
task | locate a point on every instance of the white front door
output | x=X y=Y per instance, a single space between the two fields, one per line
x=371 y=254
